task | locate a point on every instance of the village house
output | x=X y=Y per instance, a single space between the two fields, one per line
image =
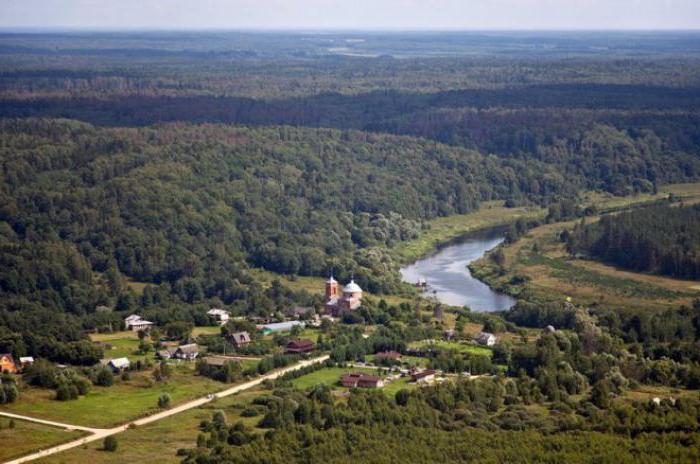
x=485 y=338
x=337 y=304
x=239 y=339
x=299 y=347
x=7 y=363
x=219 y=315
x=118 y=364
x=186 y=352
x=427 y=375
x=361 y=380
x=135 y=323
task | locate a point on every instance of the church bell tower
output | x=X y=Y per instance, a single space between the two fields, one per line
x=331 y=288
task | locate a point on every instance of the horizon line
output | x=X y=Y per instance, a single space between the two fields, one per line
x=34 y=29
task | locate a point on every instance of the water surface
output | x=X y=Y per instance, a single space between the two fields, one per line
x=449 y=278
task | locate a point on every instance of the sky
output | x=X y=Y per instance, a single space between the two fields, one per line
x=352 y=14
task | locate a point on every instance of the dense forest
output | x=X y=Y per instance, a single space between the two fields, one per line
x=199 y=168
x=661 y=240
x=121 y=162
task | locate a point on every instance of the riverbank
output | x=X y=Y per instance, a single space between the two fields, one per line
x=449 y=279
x=449 y=229
x=537 y=268
x=492 y=214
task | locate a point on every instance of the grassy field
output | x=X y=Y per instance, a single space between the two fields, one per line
x=210 y=330
x=460 y=347
x=605 y=201
x=159 y=442
x=445 y=229
x=327 y=376
x=123 y=344
x=109 y=406
x=391 y=388
x=405 y=360
x=27 y=437
x=538 y=267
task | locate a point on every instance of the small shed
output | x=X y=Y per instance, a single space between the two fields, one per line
x=119 y=364
x=166 y=353
x=187 y=352
x=486 y=339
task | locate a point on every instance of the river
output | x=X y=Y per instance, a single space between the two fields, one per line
x=449 y=278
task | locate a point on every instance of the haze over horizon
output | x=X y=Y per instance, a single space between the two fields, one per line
x=357 y=15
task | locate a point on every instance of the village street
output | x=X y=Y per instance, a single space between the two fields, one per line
x=99 y=434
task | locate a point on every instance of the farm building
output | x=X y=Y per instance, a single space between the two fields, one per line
x=186 y=352
x=280 y=326
x=486 y=339
x=118 y=364
x=361 y=380
x=427 y=375
x=299 y=347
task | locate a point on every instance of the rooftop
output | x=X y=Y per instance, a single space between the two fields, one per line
x=352 y=287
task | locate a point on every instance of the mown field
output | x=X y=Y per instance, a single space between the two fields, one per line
x=456 y=346
x=405 y=360
x=538 y=267
x=123 y=344
x=26 y=437
x=158 y=442
x=109 y=406
x=327 y=376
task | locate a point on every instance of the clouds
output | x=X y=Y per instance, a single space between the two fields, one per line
x=354 y=14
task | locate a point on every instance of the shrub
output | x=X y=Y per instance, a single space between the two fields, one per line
x=110 y=444
x=164 y=401
x=66 y=392
x=105 y=378
x=249 y=412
